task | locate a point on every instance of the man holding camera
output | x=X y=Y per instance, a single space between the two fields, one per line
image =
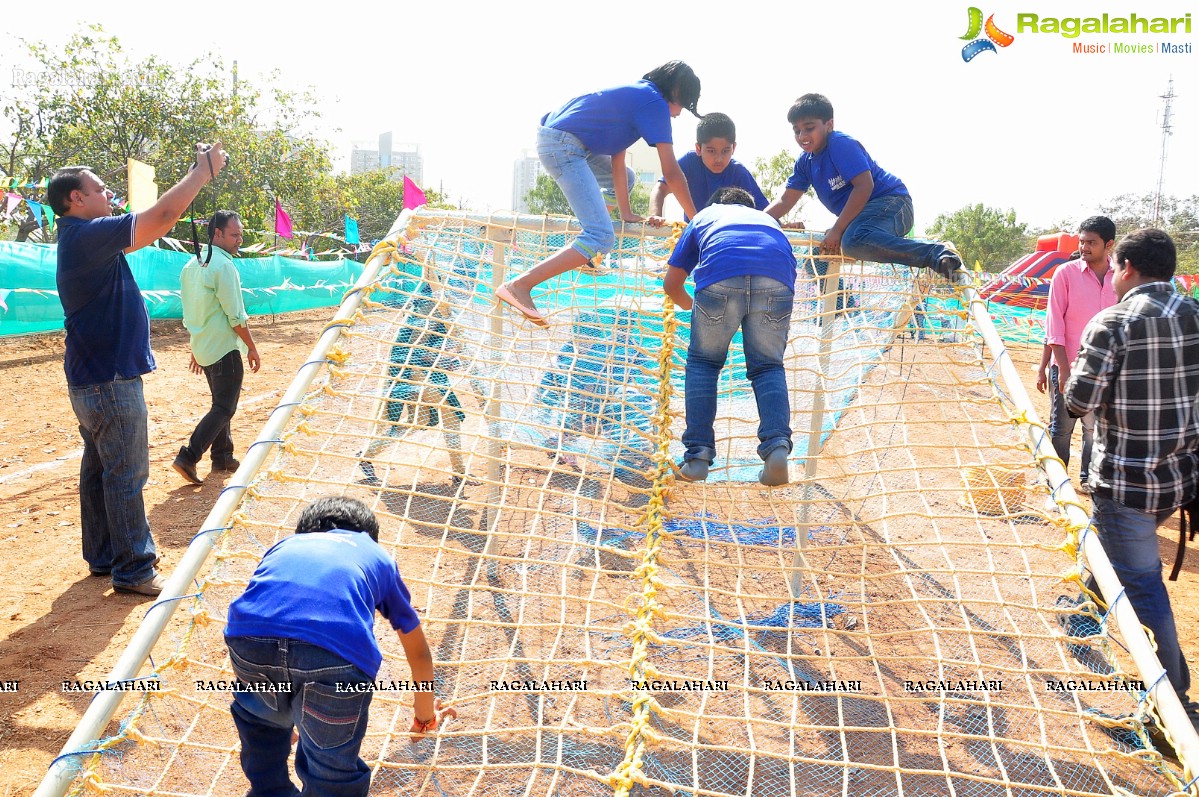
x=107 y=351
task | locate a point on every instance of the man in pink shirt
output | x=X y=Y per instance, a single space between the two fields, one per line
x=1079 y=290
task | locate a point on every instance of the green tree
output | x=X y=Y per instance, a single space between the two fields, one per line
x=90 y=104
x=1178 y=217
x=985 y=235
x=546 y=198
x=374 y=199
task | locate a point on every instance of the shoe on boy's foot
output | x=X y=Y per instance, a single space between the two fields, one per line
x=186 y=468
x=151 y=587
x=694 y=470
x=774 y=471
x=950 y=262
x=228 y=465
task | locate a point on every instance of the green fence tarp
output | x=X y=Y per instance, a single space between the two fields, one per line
x=274 y=284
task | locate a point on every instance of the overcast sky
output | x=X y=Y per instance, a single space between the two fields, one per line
x=1032 y=126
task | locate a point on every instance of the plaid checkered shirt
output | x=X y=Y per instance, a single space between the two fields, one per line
x=1138 y=370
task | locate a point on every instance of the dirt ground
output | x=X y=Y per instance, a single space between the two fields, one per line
x=58 y=623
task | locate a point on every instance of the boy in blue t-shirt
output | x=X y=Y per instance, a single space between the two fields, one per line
x=873 y=207
x=302 y=643
x=710 y=168
x=744 y=272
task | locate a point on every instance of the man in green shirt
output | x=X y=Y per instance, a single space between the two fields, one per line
x=215 y=316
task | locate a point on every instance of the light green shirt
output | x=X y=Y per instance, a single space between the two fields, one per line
x=212 y=307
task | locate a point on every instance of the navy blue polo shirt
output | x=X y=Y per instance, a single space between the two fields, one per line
x=108 y=328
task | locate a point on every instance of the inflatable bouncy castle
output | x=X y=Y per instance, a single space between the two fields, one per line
x=1025 y=283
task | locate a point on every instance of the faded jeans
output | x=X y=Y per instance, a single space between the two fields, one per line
x=586 y=180
x=331 y=720
x=761 y=308
x=877 y=234
x=1129 y=538
x=115 y=466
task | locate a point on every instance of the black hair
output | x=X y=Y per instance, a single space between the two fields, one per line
x=677 y=82
x=64 y=181
x=1077 y=253
x=715 y=125
x=810 y=106
x=338 y=512
x=1150 y=251
x=220 y=220
x=731 y=196
x=1102 y=226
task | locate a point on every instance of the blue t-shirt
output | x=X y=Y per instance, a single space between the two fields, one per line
x=724 y=241
x=703 y=182
x=831 y=169
x=323 y=588
x=108 y=328
x=610 y=121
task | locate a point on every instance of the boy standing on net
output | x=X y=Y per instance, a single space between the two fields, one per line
x=744 y=272
x=873 y=207
x=710 y=168
x=303 y=633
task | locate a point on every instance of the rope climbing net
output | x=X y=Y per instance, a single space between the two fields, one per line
x=891 y=622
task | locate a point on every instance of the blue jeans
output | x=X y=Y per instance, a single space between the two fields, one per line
x=115 y=466
x=332 y=721
x=877 y=234
x=585 y=178
x=761 y=308
x=1129 y=537
x=1061 y=427
x=224 y=383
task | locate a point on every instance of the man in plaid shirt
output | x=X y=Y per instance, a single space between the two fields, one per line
x=1138 y=370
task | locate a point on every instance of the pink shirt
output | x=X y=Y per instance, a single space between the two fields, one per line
x=1075 y=297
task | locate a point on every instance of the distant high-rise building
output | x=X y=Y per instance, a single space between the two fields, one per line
x=524 y=177
x=641 y=158
x=403 y=159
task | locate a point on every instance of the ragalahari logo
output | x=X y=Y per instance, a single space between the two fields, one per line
x=982 y=45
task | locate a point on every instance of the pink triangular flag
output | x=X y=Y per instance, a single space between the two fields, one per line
x=13 y=201
x=282 y=221
x=413 y=196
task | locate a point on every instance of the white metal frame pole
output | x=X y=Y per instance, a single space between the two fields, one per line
x=500 y=238
x=828 y=310
x=1186 y=742
x=101 y=710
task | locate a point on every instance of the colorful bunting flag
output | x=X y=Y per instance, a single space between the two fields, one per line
x=13 y=201
x=36 y=207
x=413 y=196
x=351 y=231
x=282 y=221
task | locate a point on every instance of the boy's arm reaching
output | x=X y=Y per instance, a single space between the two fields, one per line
x=657 y=198
x=428 y=710
x=675 y=179
x=863 y=187
x=673 y=286
x=782 y=206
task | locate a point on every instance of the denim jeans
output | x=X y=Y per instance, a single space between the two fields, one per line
x=586 y=180
x=331 y=723
x=877 y=234
x=1061 y=427
x=761 y=308
x=1129 y=537
x=115 y=466
x=224 y=382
